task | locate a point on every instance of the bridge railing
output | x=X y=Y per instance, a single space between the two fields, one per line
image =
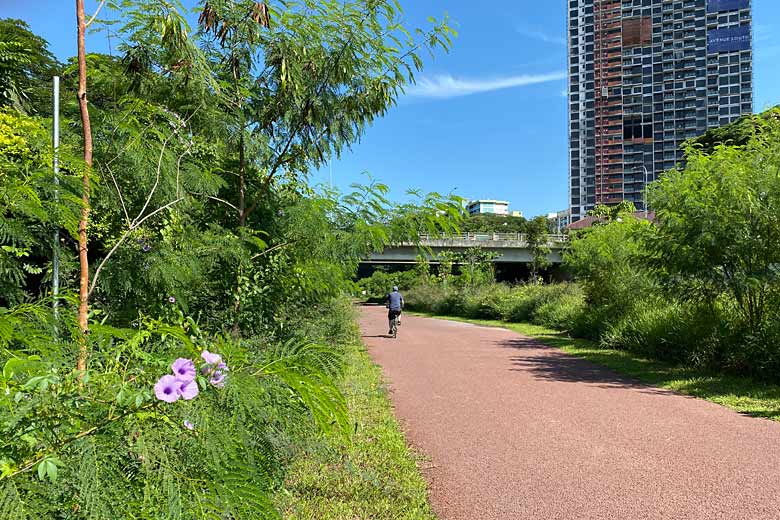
x=492 y=237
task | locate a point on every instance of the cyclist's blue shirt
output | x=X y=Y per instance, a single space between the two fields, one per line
x=396 y=301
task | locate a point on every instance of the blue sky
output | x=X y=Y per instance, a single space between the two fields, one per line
x=487 y=120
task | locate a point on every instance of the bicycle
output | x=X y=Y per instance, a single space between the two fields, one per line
x=394 y=327
x=395 y=321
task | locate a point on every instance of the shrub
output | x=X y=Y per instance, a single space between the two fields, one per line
x=230 y=439
x=744 y=350
x=608 y=263
x=380 y=283
x=561 y=313
x=486 y=302
x=525 y=301
x=425 y=298
x=558 y=306
x=666 y=330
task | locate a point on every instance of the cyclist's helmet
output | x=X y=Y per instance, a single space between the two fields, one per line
x=395 y=288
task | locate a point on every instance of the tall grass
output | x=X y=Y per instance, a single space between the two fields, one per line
x=557 y=306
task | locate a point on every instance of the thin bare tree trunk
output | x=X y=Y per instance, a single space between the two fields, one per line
x=83 y=260
x=241 y=181
x=241 y=197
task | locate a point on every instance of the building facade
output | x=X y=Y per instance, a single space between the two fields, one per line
x=492 y=207
x=644 y=76
x=560 y=220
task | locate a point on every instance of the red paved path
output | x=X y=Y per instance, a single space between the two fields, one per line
x=516 y=430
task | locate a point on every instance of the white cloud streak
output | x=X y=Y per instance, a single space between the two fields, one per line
x=445 y=86
x=541 y=36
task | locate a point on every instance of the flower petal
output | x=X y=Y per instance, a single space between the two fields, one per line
x=183 y=369
x=189 y=389
x=217 y=379
x=211 y=358
x=167 y=389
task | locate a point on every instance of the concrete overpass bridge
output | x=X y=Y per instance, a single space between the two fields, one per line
x=511 y=248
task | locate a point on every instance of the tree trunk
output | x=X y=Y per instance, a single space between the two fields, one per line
x=241 y=223
x=83 y=260
x=241 y=181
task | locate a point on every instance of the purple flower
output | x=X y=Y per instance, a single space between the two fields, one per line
x=183 y=369
x=171 y=299
x=215 y=368
x=189 y=389
x=146 y=248
x=211 y=358
x=168 y=389
x=189 y=425
x=217 y=379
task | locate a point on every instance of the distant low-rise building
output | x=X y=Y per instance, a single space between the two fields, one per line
x=488 y=207
x=560 y=219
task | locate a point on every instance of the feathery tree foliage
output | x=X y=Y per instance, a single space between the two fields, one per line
x=209 y=255
x=26 y=67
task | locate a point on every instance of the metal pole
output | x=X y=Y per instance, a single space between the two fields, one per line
x=56 y=162
x=644 y=191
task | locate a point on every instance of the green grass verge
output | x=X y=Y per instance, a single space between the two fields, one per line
x=376 y=477
x=738 y=393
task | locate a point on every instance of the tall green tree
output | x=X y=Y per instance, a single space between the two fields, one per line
x=289 y=86
x=538 y=240
x=719 y=225
x=613 y=213
x=26 y=68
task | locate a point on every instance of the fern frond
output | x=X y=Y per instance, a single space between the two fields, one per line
x=309 y=370
x=11 y=505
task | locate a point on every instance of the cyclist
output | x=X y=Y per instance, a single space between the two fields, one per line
x=395 y=304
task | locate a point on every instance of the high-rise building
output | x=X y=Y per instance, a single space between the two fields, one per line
x=644 y=76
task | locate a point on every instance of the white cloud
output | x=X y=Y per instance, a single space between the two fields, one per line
x=445 y=86
x=541 y=36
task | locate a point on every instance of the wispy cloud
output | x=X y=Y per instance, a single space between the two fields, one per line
x=541 y=36
x=445 y=86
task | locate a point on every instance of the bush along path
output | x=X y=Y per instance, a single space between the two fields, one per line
x=517 y=429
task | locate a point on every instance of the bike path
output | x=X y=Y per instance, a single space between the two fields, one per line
x=517 y=430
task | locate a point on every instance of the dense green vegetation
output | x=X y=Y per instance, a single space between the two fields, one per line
x=700 y=287
x=200 y=324
x=487 y=223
